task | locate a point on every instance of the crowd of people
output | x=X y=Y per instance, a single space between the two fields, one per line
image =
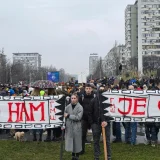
x=84 y=111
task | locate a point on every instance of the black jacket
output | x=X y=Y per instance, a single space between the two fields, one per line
x=96 y=111
x=85 y=101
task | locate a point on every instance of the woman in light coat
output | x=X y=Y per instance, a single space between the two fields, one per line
x=73 y=133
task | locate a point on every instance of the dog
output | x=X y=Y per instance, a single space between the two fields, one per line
x=19 y=136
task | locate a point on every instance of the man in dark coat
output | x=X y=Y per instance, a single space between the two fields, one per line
x=85 y=100
x=98 y=120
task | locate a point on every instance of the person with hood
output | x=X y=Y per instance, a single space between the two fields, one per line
x=97 y=120
x=85 y=100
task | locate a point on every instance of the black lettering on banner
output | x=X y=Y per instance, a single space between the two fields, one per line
x=9 y=126
x=18 y=98
x=18 y=126
x=38 y=126
x=117 y=119
x=1 y=126
x=48 y=126
x=36 y=98
x=126 y=92
x=138 y=119
x=150 y=119
x=150 y=91
x=7 y=98
x=114 y=91
x=28 y=126
x=28 y=98
x=158 y=119
x=127 y=119
x=138 y=92
x=47 y=98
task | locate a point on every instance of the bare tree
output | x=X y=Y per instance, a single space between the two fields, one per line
x=3 y=63
x=13 y=73
x=151 y=63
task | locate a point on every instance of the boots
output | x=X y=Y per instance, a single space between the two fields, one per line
x=75 y=158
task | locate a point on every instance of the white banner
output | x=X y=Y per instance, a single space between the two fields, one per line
x=31 y=112
x=136 y=106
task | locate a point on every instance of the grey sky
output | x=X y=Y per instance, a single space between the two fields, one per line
x=64 y=32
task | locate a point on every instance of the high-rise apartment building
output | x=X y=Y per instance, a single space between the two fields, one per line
x=30 y=59
x=148 y=29
x=131 y=31
x=93 y=62
x=143 y=29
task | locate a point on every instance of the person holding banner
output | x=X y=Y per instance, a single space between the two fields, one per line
x=40 y=131
x=98 y=121
x=130 y=128
x=73 y=131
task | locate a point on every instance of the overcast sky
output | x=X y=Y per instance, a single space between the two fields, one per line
x=64 y=32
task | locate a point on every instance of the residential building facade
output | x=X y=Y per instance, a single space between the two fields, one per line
x=30 y=59
x=93 y=62
x=113 y=59
x=142 y=29
x=148 y=29
x=131 y=31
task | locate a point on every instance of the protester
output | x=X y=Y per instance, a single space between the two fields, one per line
x=73 y=133
x=40 y=131
x=97 y=120
x=130 y=128
x=85 y=100
x=53 y=134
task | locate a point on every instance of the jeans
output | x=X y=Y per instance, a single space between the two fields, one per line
x=40 y=131
x=85 y=126
x=151 y=132
x=97 y=130
x=117 y=130
x=130 y=132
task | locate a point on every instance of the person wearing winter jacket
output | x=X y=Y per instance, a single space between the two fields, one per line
x=97 y=120
x=85 y=100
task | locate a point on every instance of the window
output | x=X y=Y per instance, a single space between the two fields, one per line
x=143 y=29
x=144 y=23
x=157 y=52
x=144 y=52
x=143 y=41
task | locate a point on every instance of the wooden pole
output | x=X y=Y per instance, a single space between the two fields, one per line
x=104 y=143
x=61 y=150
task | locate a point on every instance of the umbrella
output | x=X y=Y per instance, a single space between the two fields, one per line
x=43 y=84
